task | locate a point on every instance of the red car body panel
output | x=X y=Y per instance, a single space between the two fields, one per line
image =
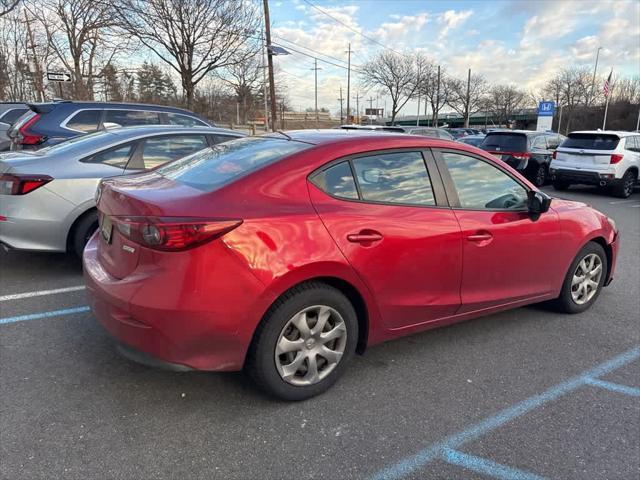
x=200 y=307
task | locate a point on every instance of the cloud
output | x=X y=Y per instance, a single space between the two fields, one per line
x=452 y=19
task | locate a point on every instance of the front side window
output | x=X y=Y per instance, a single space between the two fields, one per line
x=84 y=121
x=160 y=150
x=481 y=186
x=184 y=120
x=400 y=177
x=126 y=118
x=337 y=180
x=114 y=157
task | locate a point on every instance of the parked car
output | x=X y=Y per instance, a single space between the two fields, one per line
x=9 y=113
x=416 y=130
x=47 y=196
x=458 y=133
x=527 y=151
x=604 y=158
x=285 y=254
x=474 y=140
x=46 y=124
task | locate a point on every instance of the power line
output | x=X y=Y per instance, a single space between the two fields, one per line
x=311 y=56
x=350 y=27
x=312 y=50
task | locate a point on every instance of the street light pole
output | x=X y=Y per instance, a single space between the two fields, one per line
x=348 y=80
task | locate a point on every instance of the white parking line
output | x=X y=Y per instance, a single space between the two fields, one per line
x=621 y=201
x=634 y=206
x=17 y=296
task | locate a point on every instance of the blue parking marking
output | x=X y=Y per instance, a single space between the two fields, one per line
x=614 y=387
x=436 y=451
x=485 y=467
x=41 y=315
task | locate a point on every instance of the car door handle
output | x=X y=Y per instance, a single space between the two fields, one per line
x=480 y=237
x=364 y=236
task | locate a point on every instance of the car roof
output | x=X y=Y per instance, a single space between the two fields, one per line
x=529 y=133
x=48 y=106
x=619 y=133
x=140 y=130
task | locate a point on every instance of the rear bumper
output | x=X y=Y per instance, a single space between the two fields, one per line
x=168 y=313
x=583 y=177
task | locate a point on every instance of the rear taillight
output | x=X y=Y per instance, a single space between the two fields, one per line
x=521 y=156
x=555 y=154
x=616 y=158
x=20 y=184
x=172 y=234
x=27 y=137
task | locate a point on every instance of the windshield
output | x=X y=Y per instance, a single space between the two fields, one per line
x=505 y=142
x=591 y=141
x=217 y=166
x=73 y=142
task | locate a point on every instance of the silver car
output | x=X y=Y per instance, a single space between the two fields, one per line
x=47 y=196
x=9 y=113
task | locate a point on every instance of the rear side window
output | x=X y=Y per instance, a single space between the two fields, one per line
x=505 y=142
x=126 y=118
x=84 y=121
x=224 y=163
x=12 y=115
x=394 y=178
x=184 y=120
x=160 y=150
x=591 y=141
x=632 y=143
x=337 y=180
x=115 y=157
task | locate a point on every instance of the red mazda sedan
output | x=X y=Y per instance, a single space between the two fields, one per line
x=285 y=254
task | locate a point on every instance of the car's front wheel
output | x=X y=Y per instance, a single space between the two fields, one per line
x=304 y=342
x=584 y=280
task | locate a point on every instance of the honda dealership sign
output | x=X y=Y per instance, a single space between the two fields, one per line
x=545 y=116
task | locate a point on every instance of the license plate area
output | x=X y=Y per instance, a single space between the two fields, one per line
x=106 y=228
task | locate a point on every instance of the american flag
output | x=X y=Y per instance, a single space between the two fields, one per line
x=607 y=85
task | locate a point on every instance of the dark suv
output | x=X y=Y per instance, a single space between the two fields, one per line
x=528 y=152
x=46 y=124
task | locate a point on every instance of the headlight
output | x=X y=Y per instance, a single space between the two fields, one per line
x=613 y=224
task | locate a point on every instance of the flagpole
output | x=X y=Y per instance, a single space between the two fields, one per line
x=609 y=89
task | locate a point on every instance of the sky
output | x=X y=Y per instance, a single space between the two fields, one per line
x=519 y=42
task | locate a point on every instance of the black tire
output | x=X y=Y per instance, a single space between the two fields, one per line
x=261 y=361
x=82 y=232
x=565 y=302
x=561 y=185
x=624 y=187
x=539 y=175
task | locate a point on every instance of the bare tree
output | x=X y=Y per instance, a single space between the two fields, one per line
x=504 y=101
x=7 y=6
x=194 y=37
x=571 y=88
x=627 y=90
x=245 y=78
x=395 y=74
x=467 y=96
x=77 y=32
x=436 y=88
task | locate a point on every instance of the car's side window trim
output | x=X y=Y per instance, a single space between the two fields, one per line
x=70 y=117
x=450 y=188
x=430 y=166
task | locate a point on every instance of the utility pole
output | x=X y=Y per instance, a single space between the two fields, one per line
x=272 y=86
x=595 y=69
x=467 y=101
x=38 y=74
x=315 y=71
x=341 y=117
x=357 y=115
x=264 y=84
x=348 y=80
x=371 y=107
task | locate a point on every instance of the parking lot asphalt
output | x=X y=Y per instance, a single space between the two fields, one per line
x=522 y=394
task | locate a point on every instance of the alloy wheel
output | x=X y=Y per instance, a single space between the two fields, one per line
x=310 y=345
x=586 y=279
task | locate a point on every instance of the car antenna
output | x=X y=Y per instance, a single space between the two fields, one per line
x=284 y=134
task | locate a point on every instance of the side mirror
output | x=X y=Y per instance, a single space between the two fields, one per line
x=371 y=175
x=537 y=202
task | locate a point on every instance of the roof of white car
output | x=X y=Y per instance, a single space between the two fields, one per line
x=619 y=133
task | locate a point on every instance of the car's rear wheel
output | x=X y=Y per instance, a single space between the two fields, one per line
x=584 y=280
x=539 y=176
x=83 y=230
x=624 y=187
x=304 y=343
x=561 y=185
